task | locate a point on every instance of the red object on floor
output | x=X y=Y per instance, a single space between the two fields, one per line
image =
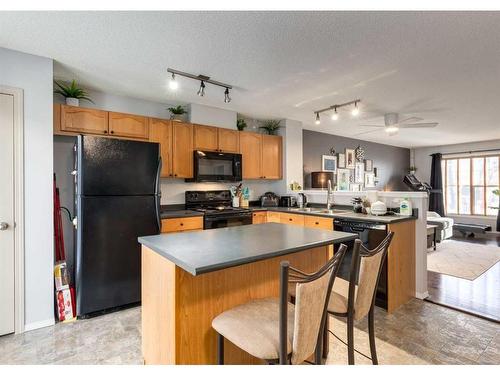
x=58 y=228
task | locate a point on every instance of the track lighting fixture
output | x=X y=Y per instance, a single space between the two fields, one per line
x=227 y=99
x=173 y=84
x=355 y=110
x=201 y=91
x=335 y=115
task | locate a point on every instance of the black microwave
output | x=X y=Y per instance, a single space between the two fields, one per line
x=216 y=166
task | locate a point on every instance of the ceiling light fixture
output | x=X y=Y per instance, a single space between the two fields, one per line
x=201 y=91
x=173 y=84
x=391 y=129
x=227 y=98
x=203 y=79
x=335 y=115
x=355 y=110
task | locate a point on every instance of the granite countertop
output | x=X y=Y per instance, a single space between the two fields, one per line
x=172 y=214
x=214 y=249
x=339 y=214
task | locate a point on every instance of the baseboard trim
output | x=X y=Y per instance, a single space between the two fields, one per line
x=422 y=295
x=39 y=324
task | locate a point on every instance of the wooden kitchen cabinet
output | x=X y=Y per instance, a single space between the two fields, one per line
x=229 y=140
x=184 y=224
x=251 y=151
x=211 y=138
x=127 y=125
x=273 y=217
x=259 y=217
x=262 y=156
x=295 y=219
x=83 y=120
x=318 y=222
x=271 y=157
x=182 y=150
x=160 y=131
x=205 y=138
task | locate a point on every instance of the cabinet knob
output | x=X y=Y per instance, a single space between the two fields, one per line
x=112 y=132
x=105 y=132
x=317 y=223
x=182 y=224
x=175 y=175
x=290 y=219
x=263 y=176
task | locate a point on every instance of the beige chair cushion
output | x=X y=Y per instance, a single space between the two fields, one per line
x=339 y=296
x=254 y=327
x=369 y=269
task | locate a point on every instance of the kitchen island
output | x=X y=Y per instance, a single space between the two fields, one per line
x=190 y=278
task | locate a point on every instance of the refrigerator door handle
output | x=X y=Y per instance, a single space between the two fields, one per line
x=158 y=195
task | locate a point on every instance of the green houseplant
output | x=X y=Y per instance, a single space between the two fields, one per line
x=72 y=92
x=177 y=113
x=270 y=126
x=241 y=124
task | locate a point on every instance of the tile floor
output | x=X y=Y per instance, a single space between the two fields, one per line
x=417 y=333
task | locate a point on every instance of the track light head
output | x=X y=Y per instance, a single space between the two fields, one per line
x=201 y=91
x=173 y=84
x=355 y=111
x=227 y=98
x=335 y=115
x=318 y=121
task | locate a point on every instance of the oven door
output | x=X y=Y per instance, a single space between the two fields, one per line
x=222 y=221
x=216 y=166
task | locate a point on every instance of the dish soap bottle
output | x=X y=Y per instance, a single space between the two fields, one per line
x=405 y=207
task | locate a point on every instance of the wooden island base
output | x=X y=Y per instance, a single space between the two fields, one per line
x=178 y=308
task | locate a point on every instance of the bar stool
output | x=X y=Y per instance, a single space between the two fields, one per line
x=275 y=330
x=353 y=301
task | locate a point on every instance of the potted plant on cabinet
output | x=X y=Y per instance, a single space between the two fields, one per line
x=177 y=113
x=72 y=92
x=270 y=126
x=241 y=124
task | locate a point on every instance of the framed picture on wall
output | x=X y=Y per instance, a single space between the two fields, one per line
x=328 y=163
x=355 y=187
x=368 y=165
x=350 y=158
x=359 y=172
x=341 y=161
x=370 y=180
x=343 y=179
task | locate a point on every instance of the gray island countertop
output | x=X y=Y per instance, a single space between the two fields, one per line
x=214 y=249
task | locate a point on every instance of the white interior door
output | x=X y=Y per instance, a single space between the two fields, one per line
x=7 y=304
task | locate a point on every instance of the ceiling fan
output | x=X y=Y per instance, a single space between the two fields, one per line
x=393 y=124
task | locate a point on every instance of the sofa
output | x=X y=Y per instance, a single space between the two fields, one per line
x=444 y=228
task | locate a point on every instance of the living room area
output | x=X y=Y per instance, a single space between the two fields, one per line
x=463 y=233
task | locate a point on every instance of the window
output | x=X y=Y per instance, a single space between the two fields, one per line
x=469 y=183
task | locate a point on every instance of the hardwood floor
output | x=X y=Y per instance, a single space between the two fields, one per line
x=479 y=297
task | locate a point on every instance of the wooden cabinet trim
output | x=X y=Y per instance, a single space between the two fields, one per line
x=205 y=138
x=128 y=125
x=160 y=131
x=83 y=120
x=182 y=224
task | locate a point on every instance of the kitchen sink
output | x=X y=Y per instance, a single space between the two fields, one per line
x=319 y=210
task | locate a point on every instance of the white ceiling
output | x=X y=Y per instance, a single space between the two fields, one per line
x=442 y=67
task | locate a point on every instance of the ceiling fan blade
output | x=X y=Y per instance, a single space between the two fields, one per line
x=374 y=126
x=391 y=134
x=414 y=118
x=419 y=125
x=367 y=132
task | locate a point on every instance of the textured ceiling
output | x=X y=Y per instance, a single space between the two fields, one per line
x=442 y=67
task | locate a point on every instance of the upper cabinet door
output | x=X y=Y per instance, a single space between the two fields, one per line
x=205 y=138
x=229 y=140
x=83 y=120
x=182 y=150
x=251 y=151
x=130 y=126
x=160 y=131
x=271 y=157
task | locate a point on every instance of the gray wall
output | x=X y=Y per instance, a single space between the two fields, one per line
x=33 y=74
x=391 y=162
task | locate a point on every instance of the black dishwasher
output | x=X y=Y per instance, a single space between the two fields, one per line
x=370 y=234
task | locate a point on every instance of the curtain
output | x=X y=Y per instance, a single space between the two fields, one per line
x=436 y=201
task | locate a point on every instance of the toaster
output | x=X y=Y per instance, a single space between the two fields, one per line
x=269 y=199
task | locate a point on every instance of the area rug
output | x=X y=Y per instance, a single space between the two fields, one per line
x=462 y=259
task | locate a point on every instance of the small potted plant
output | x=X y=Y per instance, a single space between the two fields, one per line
x=72 y=92
x=241 y=124
x=270 y=126
x=177 y=113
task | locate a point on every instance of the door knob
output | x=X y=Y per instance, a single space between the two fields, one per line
x=3 y=226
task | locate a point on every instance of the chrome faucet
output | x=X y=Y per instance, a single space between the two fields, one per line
x=329 y=196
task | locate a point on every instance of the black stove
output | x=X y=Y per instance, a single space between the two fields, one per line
x=217 y=209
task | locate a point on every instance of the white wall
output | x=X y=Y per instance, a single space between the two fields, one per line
x=422 y=160
x=33 y=74
x=202 y=114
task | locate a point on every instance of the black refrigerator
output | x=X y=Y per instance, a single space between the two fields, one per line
x=117 y=197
